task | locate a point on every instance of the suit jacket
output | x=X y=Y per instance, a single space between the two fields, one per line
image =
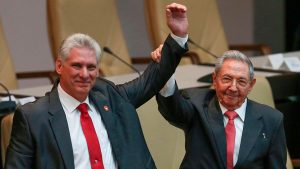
x=40 y=136
x=198 y=114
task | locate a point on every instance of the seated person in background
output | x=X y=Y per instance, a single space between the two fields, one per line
x=224 y=129
x=87 y=122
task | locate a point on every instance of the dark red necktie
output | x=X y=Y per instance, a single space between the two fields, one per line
x=230 y=137
x=91 y=137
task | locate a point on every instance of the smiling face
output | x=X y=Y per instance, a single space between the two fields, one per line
x=78 y=72
x=232 y=83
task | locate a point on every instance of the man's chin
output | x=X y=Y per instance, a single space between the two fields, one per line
x=231 y=97
x=83 y=85
x=83 y=89
x=230 y=102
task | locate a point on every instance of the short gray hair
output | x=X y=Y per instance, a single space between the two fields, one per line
x=234 y=55
x=78 y=40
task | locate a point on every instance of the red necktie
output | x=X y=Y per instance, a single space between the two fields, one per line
x=230 y=137
x=91 y=137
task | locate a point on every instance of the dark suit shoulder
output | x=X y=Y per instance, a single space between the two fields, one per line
x=272 y=118
x=38 y=106
x=102 y=83
x=104 y=86
x=197 y=93
x=108 y=88
x=265 y=110
x=35 y=113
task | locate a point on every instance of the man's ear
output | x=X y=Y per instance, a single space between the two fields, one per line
x=252 y=83
x=58 y=65
x=214 y=79
x=98 y=72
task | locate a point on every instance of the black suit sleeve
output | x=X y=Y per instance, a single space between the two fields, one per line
x=176 y=109
x=276 y=158
x=20 y=150
x=155 y=76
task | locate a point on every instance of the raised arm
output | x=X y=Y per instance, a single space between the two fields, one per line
x=156 y=75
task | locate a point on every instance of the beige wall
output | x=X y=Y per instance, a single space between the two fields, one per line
x=237 y=17
x=25 y=26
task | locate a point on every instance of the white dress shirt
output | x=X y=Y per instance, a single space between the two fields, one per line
x=239 y=125
x=79 y=144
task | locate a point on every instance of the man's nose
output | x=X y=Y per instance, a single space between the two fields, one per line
x=233 y=85
x=84 y=72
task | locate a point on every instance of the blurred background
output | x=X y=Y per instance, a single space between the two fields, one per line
x=28 y=36
x=270 y=22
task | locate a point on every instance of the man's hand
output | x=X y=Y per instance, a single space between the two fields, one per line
x=156 y=54
x=177 y=19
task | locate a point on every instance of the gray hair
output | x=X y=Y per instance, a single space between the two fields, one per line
x=234 y=55
x=78 y=40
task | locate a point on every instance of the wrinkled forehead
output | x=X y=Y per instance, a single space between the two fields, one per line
x=235 y=67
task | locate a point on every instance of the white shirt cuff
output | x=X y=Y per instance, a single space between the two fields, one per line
x=181 y=41
x=169 y=87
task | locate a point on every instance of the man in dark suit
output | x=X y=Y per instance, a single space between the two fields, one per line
x=253 y=138
x=89 y=122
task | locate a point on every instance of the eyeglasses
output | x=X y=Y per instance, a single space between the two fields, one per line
x=231 y=81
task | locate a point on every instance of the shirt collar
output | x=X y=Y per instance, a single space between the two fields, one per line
x=241 y=111
x=69 y=102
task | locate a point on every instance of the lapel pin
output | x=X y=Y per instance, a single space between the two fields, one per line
x=106 y=108
x=264 y=135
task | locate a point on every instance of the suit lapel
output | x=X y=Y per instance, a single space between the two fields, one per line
x=60 y=129
x=215 y=119
x=109 y=119
x=212 y=120
x=252 y=127
x=105 y=109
